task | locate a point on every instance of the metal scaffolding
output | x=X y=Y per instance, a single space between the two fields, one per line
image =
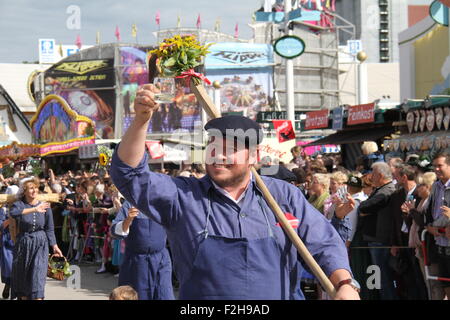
x=316 y=72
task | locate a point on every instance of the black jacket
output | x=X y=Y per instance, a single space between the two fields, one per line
x=398 y=198
x=376 y=215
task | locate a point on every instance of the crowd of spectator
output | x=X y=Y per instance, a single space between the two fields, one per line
x=379 y=210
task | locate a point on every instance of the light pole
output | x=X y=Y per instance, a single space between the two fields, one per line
x=290 y=98
x=363 y=94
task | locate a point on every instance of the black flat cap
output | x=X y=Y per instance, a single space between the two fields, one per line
x=239 y=127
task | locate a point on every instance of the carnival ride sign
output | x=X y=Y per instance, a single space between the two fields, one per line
x=88 y=88
x=364 y=113
x=57 y=128
x=82 y=67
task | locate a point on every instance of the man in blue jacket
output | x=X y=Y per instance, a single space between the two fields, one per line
x=225 y=241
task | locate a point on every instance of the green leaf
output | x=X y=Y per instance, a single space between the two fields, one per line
x=170 y=62
x=184 y=58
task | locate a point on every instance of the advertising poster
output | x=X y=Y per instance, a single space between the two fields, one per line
x=184 y=113
x=244 y=72
x=88 y=88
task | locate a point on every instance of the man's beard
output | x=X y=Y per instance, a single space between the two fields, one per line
x=235 y=180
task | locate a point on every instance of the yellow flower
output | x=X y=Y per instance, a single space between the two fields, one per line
x=103 y=159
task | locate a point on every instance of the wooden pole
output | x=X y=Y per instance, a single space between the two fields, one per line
x=212 y=112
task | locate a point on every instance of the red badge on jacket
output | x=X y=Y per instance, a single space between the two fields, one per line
x=293 y=221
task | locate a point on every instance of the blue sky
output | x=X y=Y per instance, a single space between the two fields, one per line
x=23 y=22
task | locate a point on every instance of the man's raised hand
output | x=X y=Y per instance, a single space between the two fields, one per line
x=144 y=103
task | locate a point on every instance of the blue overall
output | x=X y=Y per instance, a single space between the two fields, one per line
x=146 y=264
x=253 y=266
x=240 y=258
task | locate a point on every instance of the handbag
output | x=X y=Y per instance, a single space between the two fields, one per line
x=58 y=270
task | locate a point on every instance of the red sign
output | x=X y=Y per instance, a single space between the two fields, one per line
x=155 y=148
x=285 y=131
x=316 y=120
x=364 y=113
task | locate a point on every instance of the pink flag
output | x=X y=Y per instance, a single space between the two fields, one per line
x=78 y=42
x=199 y=22
x=158 y=18
x=236 y=31
x=117 y=33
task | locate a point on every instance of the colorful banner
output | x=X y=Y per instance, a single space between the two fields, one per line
x=316 y=119
x=57 y=128
x=364 y=113
x=66 y=146
x=233 y=55
x=285 y=131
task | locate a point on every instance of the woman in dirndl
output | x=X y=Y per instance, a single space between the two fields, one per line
x=34 y=219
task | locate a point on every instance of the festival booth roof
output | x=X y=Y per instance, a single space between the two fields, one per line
x=429 y=102
x=15 y=78
x=354 y=136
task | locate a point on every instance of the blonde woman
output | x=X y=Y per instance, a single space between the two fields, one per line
x=320 y=189
x=338 y=181
x=36 y=233
x=370 y=155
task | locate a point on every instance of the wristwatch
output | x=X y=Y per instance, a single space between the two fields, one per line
x=352 y=282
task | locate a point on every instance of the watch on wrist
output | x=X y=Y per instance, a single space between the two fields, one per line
x=351 y=282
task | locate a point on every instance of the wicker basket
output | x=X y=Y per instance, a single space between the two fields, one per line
x=57 y=270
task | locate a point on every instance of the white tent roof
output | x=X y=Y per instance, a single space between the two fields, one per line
x=14 y=78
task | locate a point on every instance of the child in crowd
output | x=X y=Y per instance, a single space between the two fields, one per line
x=123 y=293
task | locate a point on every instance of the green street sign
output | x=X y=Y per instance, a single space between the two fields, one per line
x=289 y=47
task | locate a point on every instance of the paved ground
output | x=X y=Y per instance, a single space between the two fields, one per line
x=92 y=287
